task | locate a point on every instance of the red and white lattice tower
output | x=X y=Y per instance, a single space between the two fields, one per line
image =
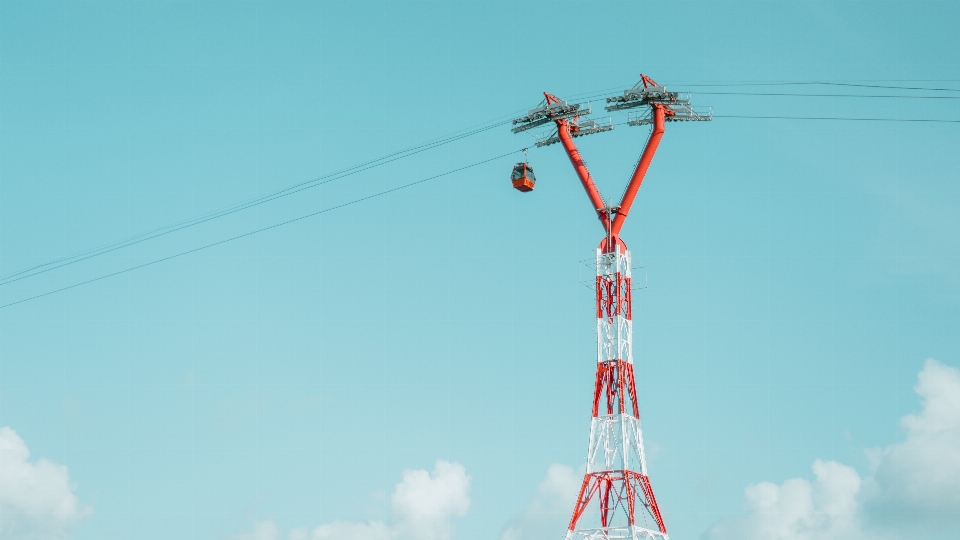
x=616 y=499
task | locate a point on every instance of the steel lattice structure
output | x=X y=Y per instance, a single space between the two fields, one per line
x=616 y=499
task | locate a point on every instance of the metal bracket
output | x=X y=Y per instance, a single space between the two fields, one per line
x=582 y=128
x=550 y=112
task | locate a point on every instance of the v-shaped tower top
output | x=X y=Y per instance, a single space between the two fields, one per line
x=657 y=105
x=616 y=500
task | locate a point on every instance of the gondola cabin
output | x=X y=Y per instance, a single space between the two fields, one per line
x=522 y=177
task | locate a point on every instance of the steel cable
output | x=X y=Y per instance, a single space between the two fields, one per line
x=468 y=132
x=257 y=231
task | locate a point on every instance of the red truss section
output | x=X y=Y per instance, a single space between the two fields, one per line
x=615 y=381
x=613 y=297
x=618 y=492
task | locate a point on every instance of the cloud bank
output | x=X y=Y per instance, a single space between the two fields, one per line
x=548 y=512
x=423 y=507
x=36 y=499
x=913 y=490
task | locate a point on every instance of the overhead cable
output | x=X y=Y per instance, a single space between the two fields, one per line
x=798 y=94
x=933 y=120
x=257 y=231
x=468 y=132
x=162 y=231
x=826 y=83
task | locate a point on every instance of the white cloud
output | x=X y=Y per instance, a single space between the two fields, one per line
x=423 y=506
x=262 y=530
x=918 y=479
x=548 y=512
x=373 y=530
x=423 y=503
x=36 y=499
x=800 y=510
x=913 y=491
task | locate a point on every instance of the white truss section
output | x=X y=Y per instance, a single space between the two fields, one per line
x=614 y=334
x=617 y=533
x=616 y=443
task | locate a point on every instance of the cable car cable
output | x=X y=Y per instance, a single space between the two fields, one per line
x=826 y=83
x=797 y=94
x=162 y=231
x=194 y=250
x=932 y=120
x=253 y=202
x=478 y=128
x=257 y=231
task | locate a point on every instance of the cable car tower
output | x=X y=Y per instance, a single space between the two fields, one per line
x=616 y=498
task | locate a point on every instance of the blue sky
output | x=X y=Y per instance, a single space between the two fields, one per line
x=800 y=273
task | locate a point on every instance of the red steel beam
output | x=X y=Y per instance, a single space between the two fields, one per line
x=659 y=118
x=563 y=131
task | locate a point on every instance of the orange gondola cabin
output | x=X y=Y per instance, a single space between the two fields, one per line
x=522 y=177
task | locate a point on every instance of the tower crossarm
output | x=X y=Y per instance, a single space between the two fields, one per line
x=552 y=109
x=578 y=128
x=660 y=106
